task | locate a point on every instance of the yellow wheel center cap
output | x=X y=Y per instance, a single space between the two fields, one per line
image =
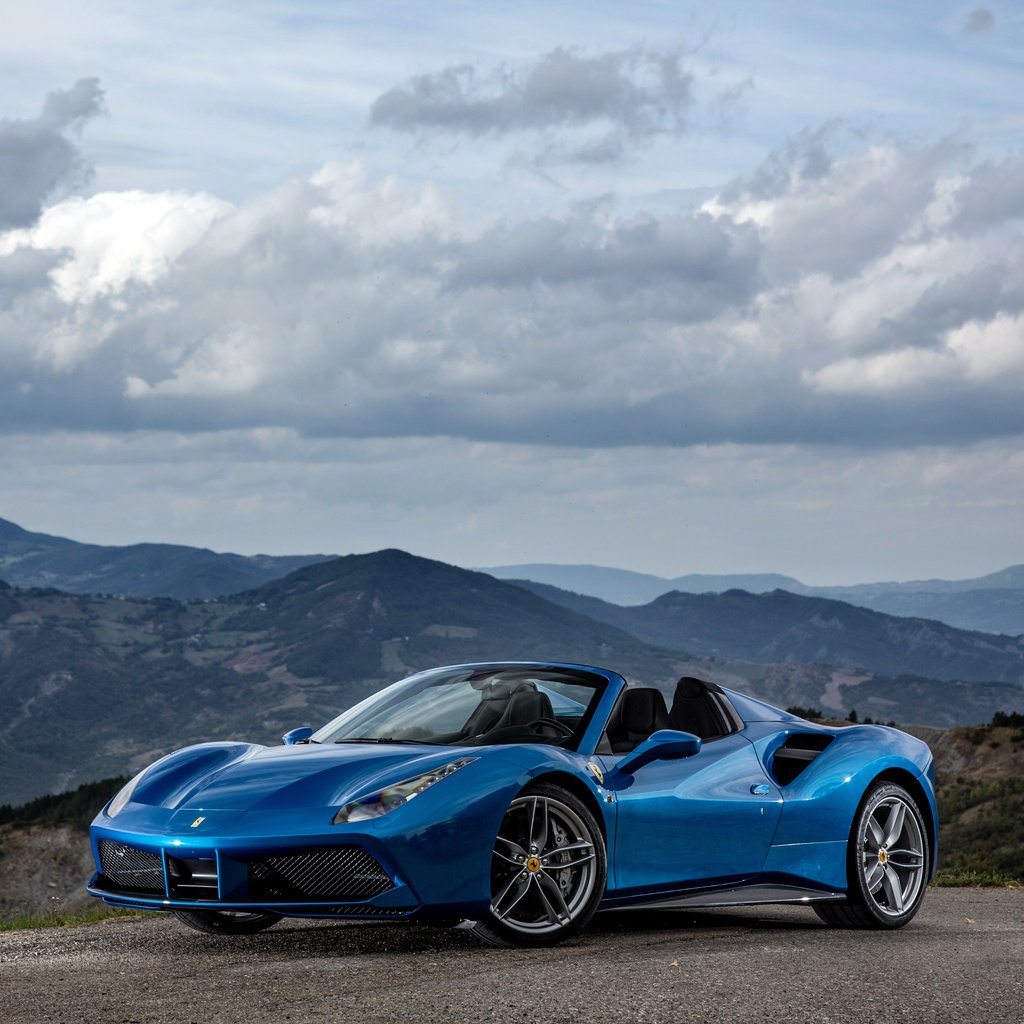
x=882 y=856
x=533 y=864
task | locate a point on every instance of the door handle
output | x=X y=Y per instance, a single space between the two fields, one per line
x=761 y=789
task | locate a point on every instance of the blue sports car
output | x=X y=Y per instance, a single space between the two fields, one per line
x=519 y=798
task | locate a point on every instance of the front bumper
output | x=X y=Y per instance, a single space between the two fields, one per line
x=336 y=880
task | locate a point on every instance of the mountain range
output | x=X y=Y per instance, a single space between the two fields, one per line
x=992 y=603
x=96 y=686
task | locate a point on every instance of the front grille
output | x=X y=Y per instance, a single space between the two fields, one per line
x=192 y=879
x=337 y=873
x=131 y=869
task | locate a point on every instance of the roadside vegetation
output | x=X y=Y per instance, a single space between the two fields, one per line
x=76 y=808
x=58 y=918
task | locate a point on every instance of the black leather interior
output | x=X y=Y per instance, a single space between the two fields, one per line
x=640 y=712
x=493 y=702
x=504 y=705
x=526 y=705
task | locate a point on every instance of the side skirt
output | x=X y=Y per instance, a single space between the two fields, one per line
x=739 y=896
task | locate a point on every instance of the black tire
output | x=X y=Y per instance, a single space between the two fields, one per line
x=226 y=922
x=542 y=895
x=887 y=868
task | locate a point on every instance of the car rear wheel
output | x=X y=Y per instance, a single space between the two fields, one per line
x=226 y=922
x=548 y=870
x=888 y=863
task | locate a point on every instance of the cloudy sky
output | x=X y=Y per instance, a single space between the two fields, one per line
x=633 y=284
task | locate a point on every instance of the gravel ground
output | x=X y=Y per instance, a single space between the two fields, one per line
x=961 y=960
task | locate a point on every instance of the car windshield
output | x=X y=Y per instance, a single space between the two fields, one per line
x=473 y=707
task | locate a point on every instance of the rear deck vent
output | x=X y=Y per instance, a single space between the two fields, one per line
x=793 y=757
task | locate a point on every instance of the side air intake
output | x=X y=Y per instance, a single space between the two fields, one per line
x=793 y=757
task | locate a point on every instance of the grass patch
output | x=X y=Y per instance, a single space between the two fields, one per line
x=960 y=879
x=66 y=919
x=976 y=868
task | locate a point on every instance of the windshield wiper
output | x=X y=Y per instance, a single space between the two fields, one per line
x=379 y=739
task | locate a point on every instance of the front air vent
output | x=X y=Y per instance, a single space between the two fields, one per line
x=793 y=757
x=129 y=869
x=192 y=879
x=337 y=873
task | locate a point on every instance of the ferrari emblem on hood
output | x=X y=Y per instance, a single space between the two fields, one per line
x=198 y=822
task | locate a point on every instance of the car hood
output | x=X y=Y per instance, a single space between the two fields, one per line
x=244 y=777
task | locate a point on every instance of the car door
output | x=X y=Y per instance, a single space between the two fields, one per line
x=697 y=820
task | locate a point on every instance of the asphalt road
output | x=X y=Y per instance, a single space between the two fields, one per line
x=961 y=960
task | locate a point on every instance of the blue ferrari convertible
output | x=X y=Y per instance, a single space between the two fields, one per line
x=518 y=799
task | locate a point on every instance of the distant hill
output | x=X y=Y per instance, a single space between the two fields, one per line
x=999 y=610
x=992 y=603
x=138 y=570
x=1011 y=578
x=622 y=586
x=780 y=627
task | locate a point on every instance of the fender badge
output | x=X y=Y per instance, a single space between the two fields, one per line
x=596 y=772
x=198 y=822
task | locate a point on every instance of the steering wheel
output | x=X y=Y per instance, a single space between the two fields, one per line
x=539 y=724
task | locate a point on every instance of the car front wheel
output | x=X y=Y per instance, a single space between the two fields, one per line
x=548 y=870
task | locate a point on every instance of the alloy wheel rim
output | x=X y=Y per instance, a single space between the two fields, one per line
x=543 y=869
x=892 y=856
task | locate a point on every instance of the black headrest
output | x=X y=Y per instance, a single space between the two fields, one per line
x=688 y=686
x=526 y=705
x=501 y=689
x=643 y=709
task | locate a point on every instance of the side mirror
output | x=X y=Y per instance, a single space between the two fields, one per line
x=663 y=745
x=300 y=735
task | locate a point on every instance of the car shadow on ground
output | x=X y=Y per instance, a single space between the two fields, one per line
x=619 y=922
x=296 y=938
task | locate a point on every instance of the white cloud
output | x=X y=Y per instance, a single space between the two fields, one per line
x=352 y=304
x=114 y=239
x=976 y=353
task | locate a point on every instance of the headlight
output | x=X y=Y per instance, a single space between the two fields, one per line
x=117 y=805
x=386 y=800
